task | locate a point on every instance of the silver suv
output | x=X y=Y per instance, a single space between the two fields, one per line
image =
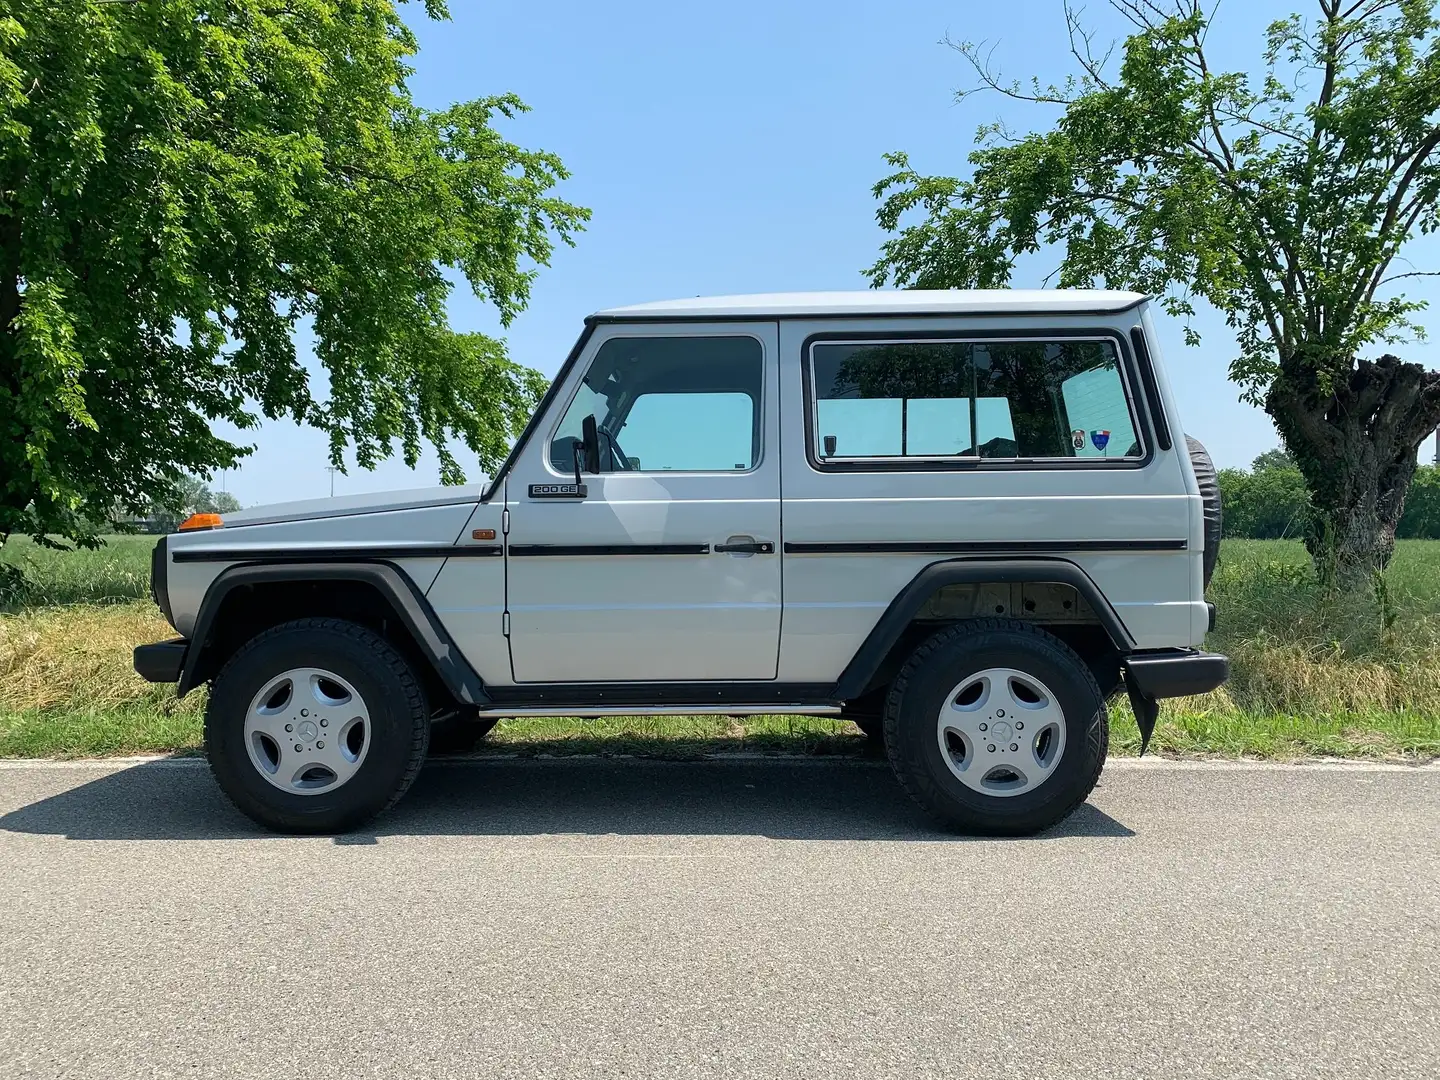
x=964 y=520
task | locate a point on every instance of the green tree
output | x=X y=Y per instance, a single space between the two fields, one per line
x=185 y=185
x=1284 y=200
x=1272 y=459
x=1421 y=520
x=1268 y=503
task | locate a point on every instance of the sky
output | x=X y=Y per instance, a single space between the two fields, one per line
x=731 y=148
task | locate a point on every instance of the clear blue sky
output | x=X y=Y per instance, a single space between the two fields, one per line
x=731 y=148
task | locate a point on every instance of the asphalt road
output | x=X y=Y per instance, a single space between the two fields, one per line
x=765 y=919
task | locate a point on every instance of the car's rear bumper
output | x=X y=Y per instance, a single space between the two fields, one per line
x=162 y=661
x=1175 y=672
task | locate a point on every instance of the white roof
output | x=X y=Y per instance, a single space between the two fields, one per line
x=886 y=302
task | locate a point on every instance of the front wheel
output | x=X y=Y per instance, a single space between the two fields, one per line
x=316 y=726
x=996 y=727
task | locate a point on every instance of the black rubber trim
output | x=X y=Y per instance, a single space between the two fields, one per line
x=378 y=552
x=537 y=550
x=160 y=580
x=865 y=664
x=1146 y=711
x=595 y=320
x=695 y=693
x=1209 y=616
x=1160 y=426
x=1175 y=672
x=538 y=416
x=407 y=601
x=162 y=661
x=971 y=464
x=752 y=547
x=979 y=547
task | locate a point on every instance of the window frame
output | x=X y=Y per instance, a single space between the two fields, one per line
x=1129 y=379
x=583 y=365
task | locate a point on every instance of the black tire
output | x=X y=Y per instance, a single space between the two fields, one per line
x=399 y=728
x=934 y=671
x=1209 y=485
x=460 y=735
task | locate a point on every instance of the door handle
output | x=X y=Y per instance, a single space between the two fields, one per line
x=745 y=545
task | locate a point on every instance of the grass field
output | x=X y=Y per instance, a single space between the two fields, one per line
x=1312 y=675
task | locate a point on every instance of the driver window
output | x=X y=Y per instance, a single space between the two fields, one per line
x=682 y=404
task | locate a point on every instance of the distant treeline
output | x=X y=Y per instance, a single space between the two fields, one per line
x=1269 y=501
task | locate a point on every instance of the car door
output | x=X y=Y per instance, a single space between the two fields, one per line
x=668 y=568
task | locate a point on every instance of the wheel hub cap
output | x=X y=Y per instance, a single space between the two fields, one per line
x=307 y=731
x=1001 y=732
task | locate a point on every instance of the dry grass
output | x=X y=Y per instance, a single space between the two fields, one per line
x=67 y=686
x=62 y=656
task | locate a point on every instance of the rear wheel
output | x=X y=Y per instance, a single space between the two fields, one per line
x=996 y=727
x=315 y=726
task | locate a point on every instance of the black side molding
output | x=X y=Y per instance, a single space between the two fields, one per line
x=978 y=547
x=856 y=677
x=524 y=551
x=409 y=604
x=162 y=661
x=363 y=553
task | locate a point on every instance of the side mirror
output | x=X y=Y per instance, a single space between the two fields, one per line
x=829 y=445
x=590 y=435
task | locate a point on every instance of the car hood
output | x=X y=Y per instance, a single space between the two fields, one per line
x=345 y=505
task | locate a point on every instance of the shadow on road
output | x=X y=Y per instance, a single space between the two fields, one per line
x=782 y=799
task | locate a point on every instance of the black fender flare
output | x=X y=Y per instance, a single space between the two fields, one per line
x=864 y=665
x=393 y=584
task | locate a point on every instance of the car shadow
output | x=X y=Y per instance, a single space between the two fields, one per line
x=780 y=798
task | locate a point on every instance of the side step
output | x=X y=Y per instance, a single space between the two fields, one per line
x=715 y=709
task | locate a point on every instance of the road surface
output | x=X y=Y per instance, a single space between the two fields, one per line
x=745 y=919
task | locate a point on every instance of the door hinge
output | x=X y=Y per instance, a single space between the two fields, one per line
x=505 y=522
x=505 y=624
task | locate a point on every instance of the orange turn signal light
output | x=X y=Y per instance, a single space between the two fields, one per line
x=202 y=521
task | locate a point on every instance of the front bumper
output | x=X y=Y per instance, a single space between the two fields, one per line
x=1175 y=672
x=162 y=661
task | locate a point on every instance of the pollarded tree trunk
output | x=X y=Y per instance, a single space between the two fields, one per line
x=1356 y=446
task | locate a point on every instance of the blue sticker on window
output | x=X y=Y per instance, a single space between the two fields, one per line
x=1101 y=439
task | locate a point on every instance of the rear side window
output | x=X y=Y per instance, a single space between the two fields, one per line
x=986 y=400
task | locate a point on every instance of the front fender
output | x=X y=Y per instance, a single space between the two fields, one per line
x=404 y=598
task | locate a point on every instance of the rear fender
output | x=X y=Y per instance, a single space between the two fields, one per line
x=866 y=663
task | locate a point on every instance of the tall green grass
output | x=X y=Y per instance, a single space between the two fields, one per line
x=1298 y=648
x=118 y=570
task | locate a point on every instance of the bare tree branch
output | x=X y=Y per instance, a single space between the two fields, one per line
x=1413 y=273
